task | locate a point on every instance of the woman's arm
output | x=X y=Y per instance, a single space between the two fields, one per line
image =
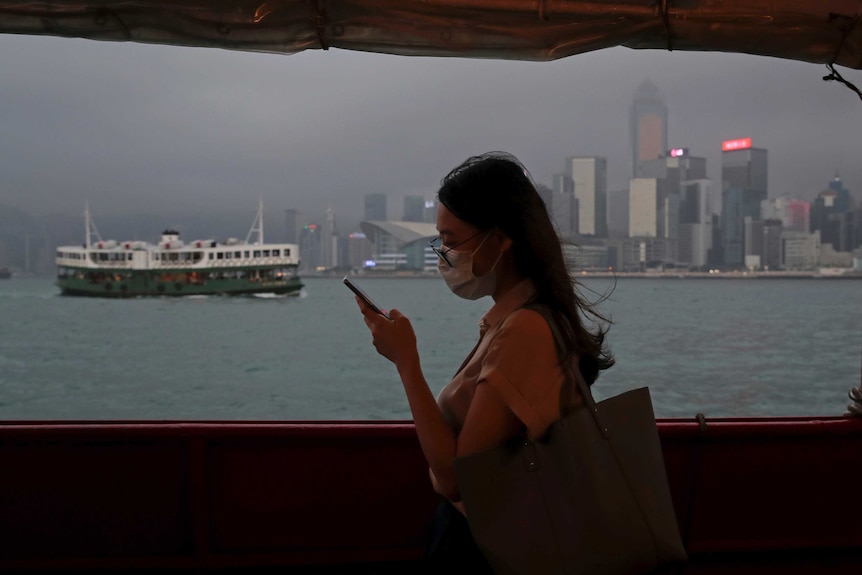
x=489 y=421
x=395 y=339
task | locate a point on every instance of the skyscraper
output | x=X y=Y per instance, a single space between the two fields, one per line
x=590 y=178
x=744 y=184
x=375 y=207
x=564 y=206
x=695 y=223
x=644 y=199
x=414 y=209
x=293 y=225
x=329 y=241
x=674 y=171
x=648 y=126
x=842 y=194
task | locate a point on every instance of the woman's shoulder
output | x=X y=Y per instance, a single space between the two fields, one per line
x=527 y=321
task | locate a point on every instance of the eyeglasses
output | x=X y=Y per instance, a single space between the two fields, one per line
x=438 y=248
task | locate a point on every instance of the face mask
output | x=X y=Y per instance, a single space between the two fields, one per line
x=460 y=279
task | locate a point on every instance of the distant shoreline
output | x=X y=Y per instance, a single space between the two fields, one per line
x=830 y=275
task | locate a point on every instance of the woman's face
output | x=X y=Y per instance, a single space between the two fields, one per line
x=458 y=235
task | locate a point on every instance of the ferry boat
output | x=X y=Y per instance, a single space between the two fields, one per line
x=107 y=268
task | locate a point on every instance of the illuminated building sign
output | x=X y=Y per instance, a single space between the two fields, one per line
x=740 y=144
x=678 y=152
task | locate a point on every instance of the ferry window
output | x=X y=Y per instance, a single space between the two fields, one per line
x=228 y=255
x=720 y=346
x=266 y=253
x=237 y=255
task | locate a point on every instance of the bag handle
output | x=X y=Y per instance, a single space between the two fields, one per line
x=576 y=374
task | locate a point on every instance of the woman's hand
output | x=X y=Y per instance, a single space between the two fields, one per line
x=393 y=338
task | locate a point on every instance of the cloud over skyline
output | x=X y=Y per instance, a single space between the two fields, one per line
x=156 y=129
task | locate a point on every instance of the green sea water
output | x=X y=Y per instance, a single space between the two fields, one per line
x=729 y=347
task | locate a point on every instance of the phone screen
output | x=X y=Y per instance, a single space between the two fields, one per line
x=358 y=291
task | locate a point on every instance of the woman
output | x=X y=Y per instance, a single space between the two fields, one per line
x=496 y=239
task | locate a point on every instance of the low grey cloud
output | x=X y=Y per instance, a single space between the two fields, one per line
x=156 y=129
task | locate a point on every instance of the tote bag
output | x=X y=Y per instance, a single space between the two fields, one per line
x=589 y=498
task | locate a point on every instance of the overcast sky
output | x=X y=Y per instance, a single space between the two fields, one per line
x=137 y=128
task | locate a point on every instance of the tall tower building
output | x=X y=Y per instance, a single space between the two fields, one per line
x=798 y=216
x=744 y=185
x=648 y=126
x=310 y=247
x=375 y=207
x=644 y=200
x=842 y=194
x=329 y=241
x=590 y=178
x=564 y=206
x=695 y=223
x=414 y=209
x=293 y=226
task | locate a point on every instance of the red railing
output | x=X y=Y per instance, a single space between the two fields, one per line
x=774 y=494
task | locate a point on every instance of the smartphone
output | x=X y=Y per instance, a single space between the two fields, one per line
x=358 y=291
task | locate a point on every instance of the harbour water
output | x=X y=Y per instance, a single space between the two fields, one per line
x=781 y=347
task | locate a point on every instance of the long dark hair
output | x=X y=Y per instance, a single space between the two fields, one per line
x=494 y=190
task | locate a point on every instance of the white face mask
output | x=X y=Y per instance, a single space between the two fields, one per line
x=459 y=276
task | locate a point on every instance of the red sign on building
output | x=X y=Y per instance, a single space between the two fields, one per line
x=740 y=144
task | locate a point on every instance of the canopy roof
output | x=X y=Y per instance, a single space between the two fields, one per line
x=823 y=31
x=403 y=232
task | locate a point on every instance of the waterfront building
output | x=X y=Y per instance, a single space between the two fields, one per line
x=589 y=177
x=357 y=251
x=647 y=126
x=639 y=254
x=589 y=257
x=771 y=257
x=744 y=181
x=800 y=250
x=400 y=245
x=375 y=207
x=753 y=237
